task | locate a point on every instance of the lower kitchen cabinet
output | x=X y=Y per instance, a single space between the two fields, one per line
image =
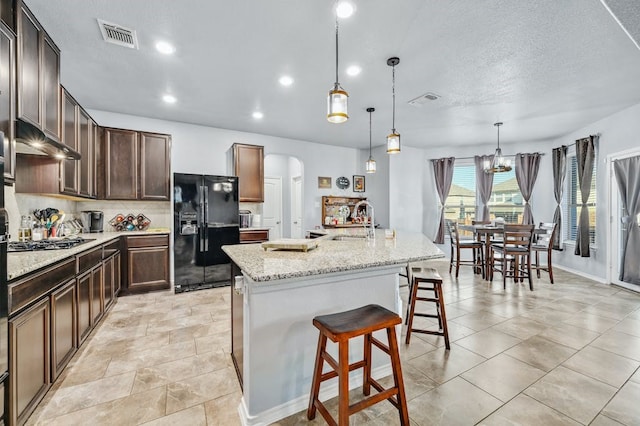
x=107 y=279
x=146 y=265
x=29 y=363
x=64 y=345
x=84 y=283
x=97 y=290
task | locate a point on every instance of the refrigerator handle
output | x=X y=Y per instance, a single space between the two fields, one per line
x=206 y=211
x=201 y=218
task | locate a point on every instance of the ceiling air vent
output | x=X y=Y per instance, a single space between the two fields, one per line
x=113 y=33
x=423 y=99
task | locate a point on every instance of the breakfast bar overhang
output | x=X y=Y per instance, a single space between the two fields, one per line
x=279 y=293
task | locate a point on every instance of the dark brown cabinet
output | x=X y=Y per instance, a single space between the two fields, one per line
x=248 y=165
x=7 y=14
x=253 y=235
x=7 y=99
x=97 y=290
x=29 y=362
x=84 y=283
x=136 y=165
x=64 y=308
x=38 y=75
x=108 y=281
x=146 y=264
x=77 y=177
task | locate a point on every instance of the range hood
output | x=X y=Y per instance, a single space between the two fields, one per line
x=31 y=140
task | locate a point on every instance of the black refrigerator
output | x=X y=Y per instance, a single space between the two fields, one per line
x=205 y=217
x=4 y=306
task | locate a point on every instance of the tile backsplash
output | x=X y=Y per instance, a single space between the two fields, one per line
x=159 y=212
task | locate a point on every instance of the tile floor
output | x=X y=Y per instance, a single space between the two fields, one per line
x=564 y=354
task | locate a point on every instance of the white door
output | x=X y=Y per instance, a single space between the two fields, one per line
x=296 y=207
x=272 y=208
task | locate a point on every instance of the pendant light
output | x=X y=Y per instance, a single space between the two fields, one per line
x=393 y=140
x=370 y=165
x=338 y=98
x=500 y=163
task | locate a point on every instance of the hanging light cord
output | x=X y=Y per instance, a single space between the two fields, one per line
x=498 y=136
x=393 y=90
x=337 y=50
x=370 y=134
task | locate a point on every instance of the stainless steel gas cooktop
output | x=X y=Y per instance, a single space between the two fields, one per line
x=61 y=244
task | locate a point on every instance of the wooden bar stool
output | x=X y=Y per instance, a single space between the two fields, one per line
x=340 y=327
x=427 y=276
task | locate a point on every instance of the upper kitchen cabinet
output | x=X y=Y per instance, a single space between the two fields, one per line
x=38 y=75
x=248 y=165
x=78 y=133
x=136 y=165
x=7 y=99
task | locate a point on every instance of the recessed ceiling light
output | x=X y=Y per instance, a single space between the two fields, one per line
x=285 y=80
x=170 y=99
x=344 y=9
x=354 y=70
x=165 y=48
x=257 y=115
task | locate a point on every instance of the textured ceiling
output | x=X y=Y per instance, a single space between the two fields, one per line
x=545 y=68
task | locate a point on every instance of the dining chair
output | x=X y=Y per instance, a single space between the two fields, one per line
x=513 y=254
x=458 y=244
x=544 y=244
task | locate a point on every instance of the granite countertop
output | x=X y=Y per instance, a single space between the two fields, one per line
x=22 y=263
x=342 y=249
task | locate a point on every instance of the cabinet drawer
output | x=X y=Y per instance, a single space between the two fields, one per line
x=89 y=259
x=111 y=248
x=147 y=241
x=254 y=236
x=26 y=290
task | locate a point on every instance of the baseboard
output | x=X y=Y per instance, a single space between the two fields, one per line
x=582 y=274
x=296 y=405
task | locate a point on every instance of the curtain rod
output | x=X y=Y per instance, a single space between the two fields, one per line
x=572 y=144
x=512 y=155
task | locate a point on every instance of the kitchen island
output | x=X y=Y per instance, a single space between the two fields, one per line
x=279 y=292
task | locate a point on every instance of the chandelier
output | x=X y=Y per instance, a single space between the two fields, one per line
x=500 y=163
x=370 y=165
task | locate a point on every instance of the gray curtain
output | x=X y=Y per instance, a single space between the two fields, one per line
x=628 y=176
x=585 y=156
x=484 y=183
x=559 y=157
x=443 y=172
x=527 y=166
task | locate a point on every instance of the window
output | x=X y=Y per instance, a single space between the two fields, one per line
x=573 y=201
x=460 y=205
x=506 y=199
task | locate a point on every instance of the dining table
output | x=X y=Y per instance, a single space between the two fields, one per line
x=484 y=233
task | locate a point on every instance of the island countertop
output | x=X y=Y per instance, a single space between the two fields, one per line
x=340 y=250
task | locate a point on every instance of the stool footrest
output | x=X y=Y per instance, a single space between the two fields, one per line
x=361 y=405
x=428 y=299
x=435 y=333
x=384 y=348
x=331 y=374
x=419 y=314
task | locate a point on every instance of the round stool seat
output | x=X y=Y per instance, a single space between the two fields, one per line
x=356 y=322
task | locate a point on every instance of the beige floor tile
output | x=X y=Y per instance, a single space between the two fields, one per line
x=541 y=353
x=629 y=326
x=573 y=394
x=181 y=322
x=414 y=349
x=520 y=327
x=547 y=315
x=567 y=305
x=589 y=361
x=196 y=390
x=181 y=369
x=223 y=411
x=569 y=335
x=74 y=398
x=591 y=321
x=503 y=376
x=636 y=377
x=479 y=320
x=523 y=410
x=607 y=311
x=601 y=420
x=488 y=343
x=193 y=416
x=624 y=407
x=213 y=342
x=442 y=365
x=620 y=343
x=456 y=402
x=131 y=361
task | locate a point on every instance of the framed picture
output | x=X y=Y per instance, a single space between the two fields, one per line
x=358 y=183
x=324 y=182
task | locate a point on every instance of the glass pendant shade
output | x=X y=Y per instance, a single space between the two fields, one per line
x=499 y=163
x=370 y=165
x=393 y=143
x=337 y=105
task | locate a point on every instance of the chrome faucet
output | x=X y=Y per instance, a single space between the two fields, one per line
x=371 y=230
